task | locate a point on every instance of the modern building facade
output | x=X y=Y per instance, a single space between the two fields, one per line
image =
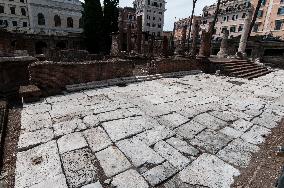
x=14 y=15
x=269 y=21
x=152 y=12
x=127 y=17
x=55 y=17
x=182 y=24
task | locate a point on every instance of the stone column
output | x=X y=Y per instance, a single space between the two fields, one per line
x=120 y=29
x=139 y=33
x=183 y=38
x=165 y=46
x=205 y=49
x=115 y=51
x=244 y=38
x=223 y=53
x=151 y=45
x=143 y=51
x=195 y=31
x=129 y=42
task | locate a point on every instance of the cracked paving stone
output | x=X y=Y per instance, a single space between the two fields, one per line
x=256 y=135
x=231 y=132
x=242 y=125
x=93 y=185
x=224 y=115
x=238 y=152
x=59 y=181
x=173 y=120
x=97 y=139
x=159 y=173
x=71 y=142
x=120 y=129
x=210 y=121
x=152 y=136
x=182 y=146
x=175 y=182
x=68 y=127
x=80 y=167
x=30 y=139
x=138 y=152
x=190 y=130
x=172 y=155
x=211 y=141
x=208 y=170
x=112 y=161
x=37 y=108
x=37 y=165
x=35 y=122
x=91 y=120
x=130 y=178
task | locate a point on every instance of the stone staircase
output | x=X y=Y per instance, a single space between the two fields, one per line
x=240 y=68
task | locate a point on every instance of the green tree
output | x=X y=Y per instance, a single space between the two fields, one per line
x=92 y=25
x=110 y=23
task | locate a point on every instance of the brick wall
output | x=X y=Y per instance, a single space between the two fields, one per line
x=13 y=74
x=53 y=77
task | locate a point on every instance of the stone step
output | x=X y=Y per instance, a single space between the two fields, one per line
x=252 y=74
x=236 y=73
x=231 y=69
x=238 y=65
x=258 y=75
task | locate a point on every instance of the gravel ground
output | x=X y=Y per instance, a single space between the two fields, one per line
x=13 y=131
x=265 y=166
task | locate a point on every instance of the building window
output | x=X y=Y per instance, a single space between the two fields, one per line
x=4 y=23
x=57 y=21
x=233 y=29
x=40 y=19
x=240 y=28
x=278 y=24
x=14 y=23
x=149 y=2
x=281 y=11
x=1 y=9
x=23 y=11
x=244 y=15
x=260 y=13
x=69 y=22
x=13 y=10
x=256 y=27
x=25 y=24
x=81 y=24
x=22 y=1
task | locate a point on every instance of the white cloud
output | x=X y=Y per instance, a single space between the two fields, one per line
x=176 y=9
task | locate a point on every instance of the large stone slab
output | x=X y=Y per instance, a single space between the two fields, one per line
x=37 y=165
x=80 y=167
x=172 y=155
x=112 y=161
x=97 y=139
x=123 y=128
x=173 y=120
x=190 y=130
x=256 y=134
x=130 y=178
x=238 y=152
x=158 y=133
x=68 y=127
x=159 y=173
x=182 y=146
x=35 y=122
x=71 y=142
x=138 y=152
x=210 y=121
x=59 y=181
x=30 y=139
x=211 y=141
x=209 y=171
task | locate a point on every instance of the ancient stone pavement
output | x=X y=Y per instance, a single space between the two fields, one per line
x=194 y=131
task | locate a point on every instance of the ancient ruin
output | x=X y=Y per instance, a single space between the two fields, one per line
x=161 y=109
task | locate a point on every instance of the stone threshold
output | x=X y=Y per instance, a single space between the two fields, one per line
x=127 y=80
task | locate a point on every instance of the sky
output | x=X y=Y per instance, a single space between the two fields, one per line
x=176 y=9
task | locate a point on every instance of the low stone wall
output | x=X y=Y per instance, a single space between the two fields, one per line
x=174 y=65
x=52 y=77
x=275 y=62
x=13 y=74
